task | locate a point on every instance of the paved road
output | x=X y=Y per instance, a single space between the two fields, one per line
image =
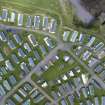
x=51 y=54
x=41 y=90
x=65 y=47
x=99 y=80
x=61 y=46
x=2 y=26
x=75 y=89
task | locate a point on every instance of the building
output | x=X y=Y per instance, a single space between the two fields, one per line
x=12 y=80
x=43 y=49
x=81 y=103
x=44 y=84
x=71 y=99
x=85 y=92
x=84 y=78
x=37 y=22
x=81 y=37
x=102 y=74
x=48 y=42
x=96 y=101
x=91 y=41
x=9 y=65
x=34 y=93
x=63 y=102
x=37 y=56
x=21 y=53
x=93 y=62
x=1 y=57
x=22 y=92
x=66 y=58
x=13 y=17
x=53 y=26
x=10 y=102
x=103 y=100
x=17 y=98
x=64 y=77
x=99 y=47
x=4 y=14
x=96 y=84
x=24 y=67
x=2 y=91
x=101 y=54
x=17 y=39
x=15 y=58
x=70 y=73
x=31 y=62
x=91 y=90
x=38 y=99
x=47 y=103
x=99 y=69
x=45 y=23
x=27 y=47
x=77 y=81
x=74 y=36
x=62 y=89
x=3 y=71
x=32 y=40
x=86 y=55
x=20 y=19
x=27 y=102
x=89 y=102
x=78 y=94
x=3 y=37
x=28 y=87
x=11 y=45
x=68 y=88
x=29 y=21
x=66 y=35
x=54 y=95
x=6 y=85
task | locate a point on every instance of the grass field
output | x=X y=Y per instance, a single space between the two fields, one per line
x=53 y=8
x=57 y=69
x=52 y=5
x=33 y=6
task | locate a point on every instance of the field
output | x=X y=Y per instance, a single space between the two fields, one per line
x=54 y=8
x=59 y=68
x=33 y=6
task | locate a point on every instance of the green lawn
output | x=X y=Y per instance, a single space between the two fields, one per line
x=57 y=69
x=32 y=4
x=52 y=8
x=32 y=7
x=49 y=7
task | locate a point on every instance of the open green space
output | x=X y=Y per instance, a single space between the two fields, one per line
x=48 y=7
x=32 y=4
x=52 y=8
x=32 y=7
x=60 y=67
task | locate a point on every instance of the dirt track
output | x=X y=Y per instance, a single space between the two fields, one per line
x=81 y=12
